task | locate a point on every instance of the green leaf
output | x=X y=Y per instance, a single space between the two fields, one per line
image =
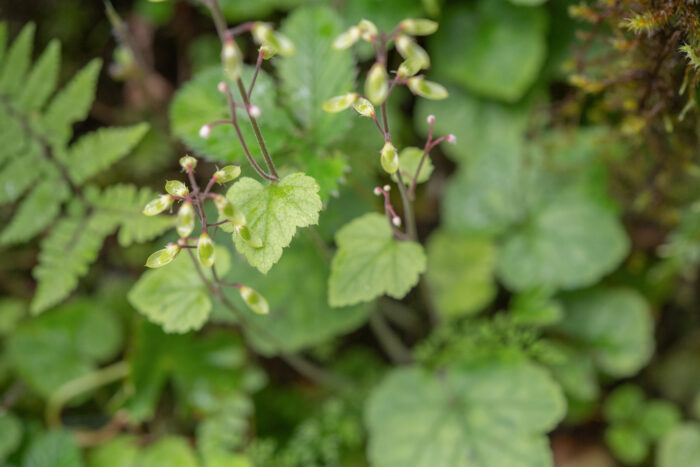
x=169 y=451
x=11 y=429
x=628 y=444
x=624 y=404
x=576 y=373
x=316 y=72
x=274 y=212
x=121 y=451
x=98 y=150
x=36 y=211
x=42 y=80
x=174 y=296
x=535 y=307
x=370 y=262
x=17 y=61
x=13 y=139
x=65 y=344
x=65 y=255
x=680 y=447
x=460 y=272
x=12 y=310
x=409 y=159
x=53 y=449
x=659 y=417
x=199 y=102
x=17 y=175
x=71 y=104
x=299 y=315
x=504 y=47
x=614 y=325
x=570 y=242
x=328 y=170
x=490 y=415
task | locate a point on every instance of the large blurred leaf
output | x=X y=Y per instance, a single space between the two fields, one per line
x=316 y=72
x=491 y=415
x=494 y=49
x=199 y=102
x=10 y=434
x=121 y=451
x=680 y=447
x=274 y=212
x=386 y=14
x=296 y=290
x=63 y=344
x=174 y=296
x=613 y=325
x=370 y=262
x=169 y=451
x=460 y=272
x=53 y=449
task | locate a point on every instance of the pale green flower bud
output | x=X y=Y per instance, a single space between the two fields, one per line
x=188 y=162
x=409 y=68
x=347 y=39
x=389 y=158
x=339 y=103
x=410 y=50
x=428 y=89
x=205 y=250
x=268 y=52
x=368 y=30
x=266 y=36
x=158 y=205
x=227 y=174
x=418 y=27
x=248 y=236
x=185 y=220
x=162 y=257
x=377 y=84
x=364 y=107
x=254 y=300
x=231 y=59
x=224 y=207
x=176 y=188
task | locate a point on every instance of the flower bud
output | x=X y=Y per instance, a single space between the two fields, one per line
x=418 y=27
x=162 y=257
x=266 y=36
x=224 y=207
x=364 y=107
x=452 y=139
x=248 y=236
x=254 y=300
x=368 y=30
x=268 y=52
x=339 y=103
x=158 y=205
x=188 y=162
x=409 y=68
x=377 y=84
x=227 y=174
x=347 y=39
x=254 y=111
x=185 y=220
x=389 y=158
x=176 y=188
x=222 y=87
x=409 y=49
x=231 y=59
x=428 y=89
x=205 y=250
x=205 y=131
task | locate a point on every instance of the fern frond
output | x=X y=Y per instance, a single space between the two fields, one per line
x=123 y=204
x=17 y=62
x=19 y=173
x=691 y=55
x=42 y=80
x=645 y=22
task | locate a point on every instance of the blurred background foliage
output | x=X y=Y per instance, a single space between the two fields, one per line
x=562 y=233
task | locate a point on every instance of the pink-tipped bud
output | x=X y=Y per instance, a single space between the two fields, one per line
x=451 y=139
x=205 y=131
x=431 y=119
x=222 y=87
x=254 y=111
x=387 y=188
x=377 y=191
x=396 y=220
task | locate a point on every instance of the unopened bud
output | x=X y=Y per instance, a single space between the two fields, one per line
x=205 y=250
x=396 y=220
x=248 y=236
x=377 y=84
x=266 y=36
x=347 y=39
x=387 y=187
x=418 y=27
x=188 y=162
x=185 y=220
x=267 y=51
x=231 y=59
x=377 y=191
x=428 y=89
x=222 y=87
x=162 y=257
x=368 y=30
x=254 y=300
x=410 y=50
x=158 y=205
x=408 y=68
x=205 y=131
x=339 y=103
x=364 y=107
x=224 y=207
x=451 y=139
x=431 y=119
x=389 y=158
x=227 y=174
x=176 y=188
x=254 y=111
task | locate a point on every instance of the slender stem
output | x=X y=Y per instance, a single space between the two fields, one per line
x=256 y=130
x=218 y=17
x=258 y=64
x=389 y=341
x=407 y=207
x=80 y=385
